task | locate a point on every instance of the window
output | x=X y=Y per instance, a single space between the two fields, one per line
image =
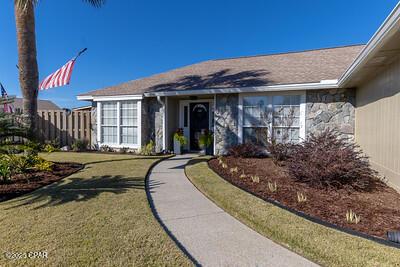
x=119 y=123
x=256 y=118
x=286 y=118
x=129 y=122
x=271 y=117
x=109 y=125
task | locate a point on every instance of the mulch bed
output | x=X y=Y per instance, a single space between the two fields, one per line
x=378 y=208
x=24 y=183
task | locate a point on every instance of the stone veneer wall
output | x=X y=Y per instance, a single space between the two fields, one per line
x=226 y=122
x=152 y=122
x=93 y=125
x=334 y=109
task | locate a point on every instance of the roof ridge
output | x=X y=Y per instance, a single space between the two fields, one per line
x=285 y=53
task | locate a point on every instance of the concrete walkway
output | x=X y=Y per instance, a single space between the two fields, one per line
x=211 y=236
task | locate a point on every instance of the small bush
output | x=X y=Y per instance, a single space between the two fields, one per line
x=49 y=148
x=5 y=170
x=148 y=149
x=328 y=160
x=124 y=150
x=80 y=145
x=19 y=164
x=105 y=148
x=180 y=137
x=41 y=164
x=280 y=151
x=246 y=151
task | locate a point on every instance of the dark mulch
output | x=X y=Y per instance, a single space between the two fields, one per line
x=24 y=183
x=379 y=207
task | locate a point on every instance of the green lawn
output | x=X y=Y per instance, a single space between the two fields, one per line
x=323 y=245
x=99 y=216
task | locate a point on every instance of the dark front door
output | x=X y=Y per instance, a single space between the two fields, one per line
x=199 y=122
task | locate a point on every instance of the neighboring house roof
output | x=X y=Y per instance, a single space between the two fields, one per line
x=42 y=104
x=82 y=108
x=265 y=70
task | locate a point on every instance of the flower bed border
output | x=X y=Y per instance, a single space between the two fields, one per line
x=81 y=167
x=312 y=218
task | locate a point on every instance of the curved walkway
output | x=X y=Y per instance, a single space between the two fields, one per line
x=210 y=235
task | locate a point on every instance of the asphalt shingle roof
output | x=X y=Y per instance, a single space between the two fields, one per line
x=286 y=68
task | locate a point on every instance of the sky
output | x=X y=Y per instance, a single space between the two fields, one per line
x=130 y=39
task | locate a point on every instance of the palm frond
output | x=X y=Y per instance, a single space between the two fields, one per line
x=24 y=4
x=95 y=3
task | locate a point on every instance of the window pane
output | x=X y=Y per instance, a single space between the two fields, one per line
x=109 y=113
x=283 y=112
x=129 y=135
x=185 y=116
x=128 y=113
x=109 y=134
x=255 y=111
x=257 y=136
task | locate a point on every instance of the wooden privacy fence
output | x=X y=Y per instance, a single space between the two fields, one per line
x=64 y=126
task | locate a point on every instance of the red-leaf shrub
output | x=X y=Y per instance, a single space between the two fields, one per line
x=280 y=151
x=328 y=160
x=247 y=150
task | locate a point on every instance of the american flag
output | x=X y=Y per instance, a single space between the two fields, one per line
x=61 y=77
x=7 y=108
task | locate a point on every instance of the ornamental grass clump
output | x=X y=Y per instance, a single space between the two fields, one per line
x=273 y=187
x=328 y=160
x=234 y=170
x=255 y=179
x=301 y=197
x=352 y=217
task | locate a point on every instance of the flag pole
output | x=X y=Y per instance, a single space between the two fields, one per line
x=81 y=52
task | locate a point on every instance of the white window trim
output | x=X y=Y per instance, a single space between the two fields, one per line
x=139 y=126
x=302 y=130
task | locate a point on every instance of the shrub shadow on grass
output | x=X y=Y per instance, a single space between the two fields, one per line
x=80 y=189
x=116 y=160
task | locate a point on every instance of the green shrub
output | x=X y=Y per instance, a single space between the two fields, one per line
x=41 y=164
x=49 y=148
x=31 y=148
x=19 y=164
x=5 y=170
x=206 y=139
x=180 y=137
x=148 y=149
x=80 y=145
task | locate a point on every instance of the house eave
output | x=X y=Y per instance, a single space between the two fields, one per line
x=328 y=84
x=109 y=98
x=388 y=28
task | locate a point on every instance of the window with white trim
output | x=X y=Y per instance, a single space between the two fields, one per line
x=271 y=117
x=109 y=126
x=119 y=122
x=129 y=122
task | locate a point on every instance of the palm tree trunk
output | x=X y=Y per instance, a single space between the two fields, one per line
x=28 y=68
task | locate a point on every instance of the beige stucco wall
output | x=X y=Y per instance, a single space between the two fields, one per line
x=378 y=121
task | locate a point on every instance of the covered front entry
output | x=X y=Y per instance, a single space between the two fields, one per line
x=195 y=117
